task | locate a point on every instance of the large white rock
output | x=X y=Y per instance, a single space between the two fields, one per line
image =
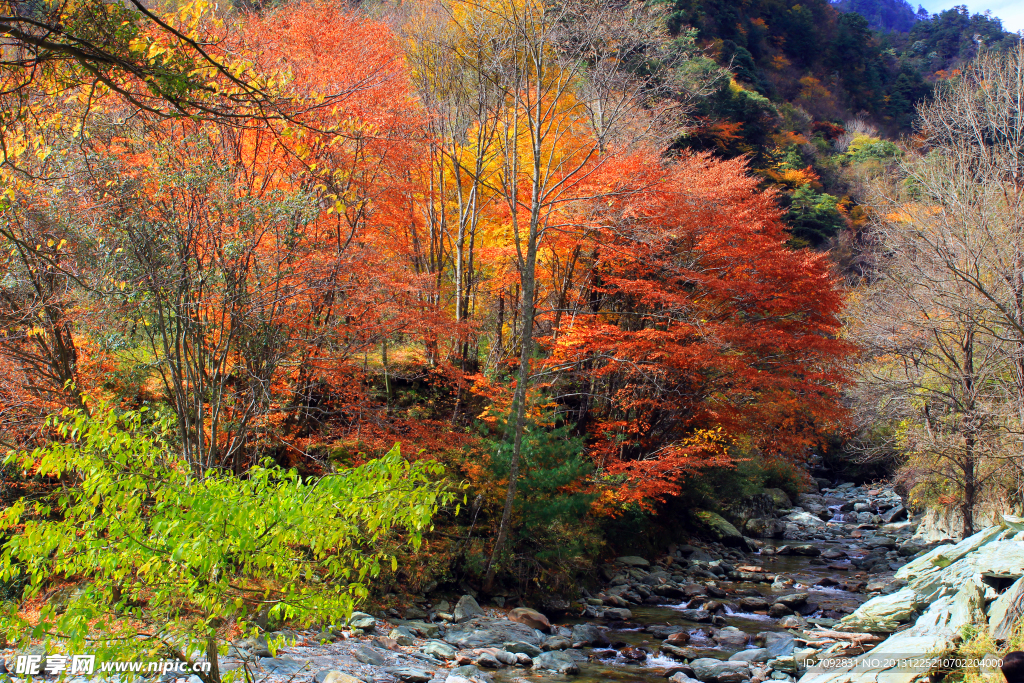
x=884 y=613
x=938 y=581
x=1006 y=610
x=945 y=555
x=803 y=519
x=1001 y=559
x=969 y=604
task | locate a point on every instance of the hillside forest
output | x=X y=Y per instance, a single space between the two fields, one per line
x=484 y=291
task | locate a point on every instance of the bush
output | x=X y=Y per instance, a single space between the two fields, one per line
x=150 y=542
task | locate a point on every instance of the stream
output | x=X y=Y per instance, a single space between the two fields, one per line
x=749 y=606
x=599 y=666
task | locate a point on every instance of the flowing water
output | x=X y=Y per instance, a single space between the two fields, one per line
x=599 y=665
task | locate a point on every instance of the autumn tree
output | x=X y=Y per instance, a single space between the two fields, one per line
x=950 y=228
x=243 y=266
x=698 y=335
x=550 y=92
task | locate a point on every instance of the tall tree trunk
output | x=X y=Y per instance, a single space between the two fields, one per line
x=970 y=492
x=518 y=413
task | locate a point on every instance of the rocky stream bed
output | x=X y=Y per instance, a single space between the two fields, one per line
x=828 y=581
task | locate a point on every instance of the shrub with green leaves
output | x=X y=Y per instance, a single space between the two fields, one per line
x=162 y=558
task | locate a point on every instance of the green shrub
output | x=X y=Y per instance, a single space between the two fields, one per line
x=148 y=541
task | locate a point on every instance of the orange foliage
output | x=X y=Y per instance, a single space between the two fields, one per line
x=701 y=319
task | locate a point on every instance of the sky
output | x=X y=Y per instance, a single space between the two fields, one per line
x=1010 y=11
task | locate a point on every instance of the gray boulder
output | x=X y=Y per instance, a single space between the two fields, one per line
x=793 y=600
x=945 y=555
x=896 y=514
x=587 y=634
x=758 y=654
x=764 y=527
x=283 y=666
x=1006 y=611
x=524 y=648
x=1000 y=559
x=410 y=674
x=683 y=653
x=680 y=677
x=439 y=649
x=780 y=498
x=633 y=561
x=804 y=519
x=401 y=635
x=731 y=637
x=556 y=661
x=778 y=643
x=467 y=608
x=618 y=614
x=333 y=676
x=695 y=614
x=710 y=670
x=885 y=613
x=362 y=621
x=556 y=643
x=368 y=655
x=720 y=529
x=485 y=632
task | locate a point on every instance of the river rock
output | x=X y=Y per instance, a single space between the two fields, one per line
x=778 y=643
x=896 y=514
x=764 y=527
x=680 y=677
x=793 y=621
x=681 y=653
x=558 y=662
x=368 y=655
x=423 y=629
x=556 y=643
x=586 y=634
x=804 y=519
x=633 y=561
x=362 y=621
x=695 y=614
x=804 y=550
x=487 y=660
x=469 y=672
x=410 y=674
x=485 y=632
x=527 y=649
x=758 y=654
x=937 y=582
x=720 y=529
x=710 y=670
x=753 y=604
x=780 y=498
x=779 y=610
x=793 y=600
x=439 y=649
x=678 y=638
x=257 y=646
x=332 y=676
x=731 y=637
x=467 y=608
x=531 y=618
x=401 y=635
x=283 y=666
x=945 y=555
x=884 y=613
x=617 y=614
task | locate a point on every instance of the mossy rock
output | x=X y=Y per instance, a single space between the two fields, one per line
x=719 y=528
